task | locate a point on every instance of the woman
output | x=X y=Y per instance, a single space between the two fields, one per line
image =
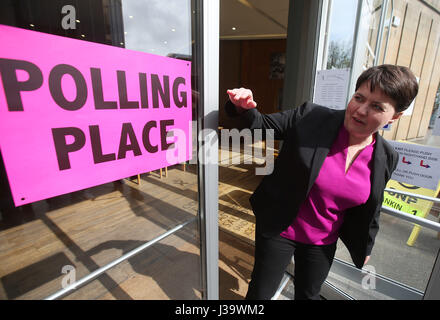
x=327 y=182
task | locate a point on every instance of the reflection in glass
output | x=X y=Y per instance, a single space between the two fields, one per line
x=340 y=33
x=158 y=27
x=47 y=244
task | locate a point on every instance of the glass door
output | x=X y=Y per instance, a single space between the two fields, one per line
x=406 y=247
x=135 y=229
x=353 y=36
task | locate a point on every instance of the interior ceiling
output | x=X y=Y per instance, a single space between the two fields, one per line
x=253 y=19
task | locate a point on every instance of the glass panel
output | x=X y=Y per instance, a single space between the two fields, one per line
x=46 y=245
x=400 y=254
x=168 y=270
x=339 y=19
x=393 y=258
x=166 y=28
x=375 y=9
x=340 y=33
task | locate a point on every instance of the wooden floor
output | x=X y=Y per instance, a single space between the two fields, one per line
x=90 y=228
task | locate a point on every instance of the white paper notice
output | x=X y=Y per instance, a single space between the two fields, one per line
x=418 y=165
x=331 y=87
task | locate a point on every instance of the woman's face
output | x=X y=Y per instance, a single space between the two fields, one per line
x=367 y=112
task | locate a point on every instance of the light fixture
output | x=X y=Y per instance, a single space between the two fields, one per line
x=131 y=17
x=174 y=30
x=32 y=25
x=234 y=28
x=83 y=35
x=77 y=21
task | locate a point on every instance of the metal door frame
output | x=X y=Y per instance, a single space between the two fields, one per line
x=209 y=33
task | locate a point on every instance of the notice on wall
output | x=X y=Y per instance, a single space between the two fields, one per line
x=331 y=88
x=418 y=165
x=75 y=114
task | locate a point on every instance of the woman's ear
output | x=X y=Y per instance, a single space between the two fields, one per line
x=395 y=117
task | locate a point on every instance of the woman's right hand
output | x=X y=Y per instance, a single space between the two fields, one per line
x=242 y=98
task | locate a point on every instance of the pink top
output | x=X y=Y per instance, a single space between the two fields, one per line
x=322 y=213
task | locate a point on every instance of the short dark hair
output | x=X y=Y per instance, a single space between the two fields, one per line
x=397 y=82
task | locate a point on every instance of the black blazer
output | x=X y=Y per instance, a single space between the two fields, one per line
x=308 y=132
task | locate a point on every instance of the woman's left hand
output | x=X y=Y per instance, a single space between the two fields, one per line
x=366 y=259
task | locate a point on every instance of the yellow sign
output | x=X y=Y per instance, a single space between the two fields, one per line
x=409 y=204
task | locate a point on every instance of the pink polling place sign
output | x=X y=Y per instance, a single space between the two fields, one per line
x=75 y=114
